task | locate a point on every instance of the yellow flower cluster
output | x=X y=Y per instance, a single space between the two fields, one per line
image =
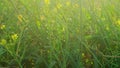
x=76 y=5
x=83 y=54
x=118 y=22
x=20 y=17
x=2 y=27
x=47 y=2
x=42 y=17
x=59 y=5
x=14 y=37
x=68 y=3
x=3 y=42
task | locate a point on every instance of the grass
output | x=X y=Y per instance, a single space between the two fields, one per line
x=59 y=34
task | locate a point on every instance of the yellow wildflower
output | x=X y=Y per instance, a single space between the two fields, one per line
x=14 y=37
x=118 y=22
x=2 y=27
x=47 y=2
x=59 y=5
x=67 y=3
x=83 y=55
x=20 y=17
x=3 y=42
x=42 y=17
x=76 y=6
x=91 y=62
x=87 y=60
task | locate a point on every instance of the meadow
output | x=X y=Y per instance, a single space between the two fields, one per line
x=60 y=33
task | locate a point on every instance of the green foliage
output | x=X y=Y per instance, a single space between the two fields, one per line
x=59 y=34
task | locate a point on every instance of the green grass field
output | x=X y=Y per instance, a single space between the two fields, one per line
x=60 y=33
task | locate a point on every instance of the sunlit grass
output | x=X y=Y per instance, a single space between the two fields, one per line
x=60 y=33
